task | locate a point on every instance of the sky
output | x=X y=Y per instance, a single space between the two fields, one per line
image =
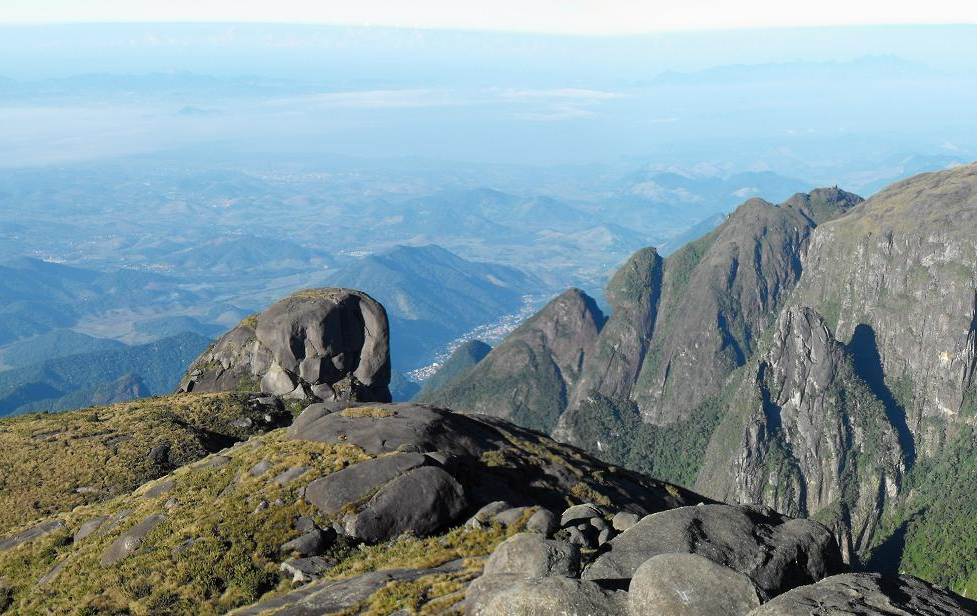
x=588 y=17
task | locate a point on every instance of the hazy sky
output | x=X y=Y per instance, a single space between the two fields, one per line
x=558 y=16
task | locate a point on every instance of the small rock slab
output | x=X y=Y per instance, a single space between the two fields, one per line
x=311 y=543
x=304 y=570
x=330 y=596
x=352 y=484
x=422 y=428
x=422 y=501
x=212 y=462
x=260 y=468
x=580 y=513
x=868 y=594
x=33 y=533
x=89 y=527
x=289 y=476
x=623 y=520
x=531 y=555
x=130 y=541
x=160 y=488
x=689 y=585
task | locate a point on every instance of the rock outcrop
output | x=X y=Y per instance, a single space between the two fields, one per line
x=316 y=344
x=868 y=594
x=679 y=327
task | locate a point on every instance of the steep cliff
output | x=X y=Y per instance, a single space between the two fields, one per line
x=896 y=278
x=804 y=434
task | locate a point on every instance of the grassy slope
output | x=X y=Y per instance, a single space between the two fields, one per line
x=217 y=548
x=45 y=458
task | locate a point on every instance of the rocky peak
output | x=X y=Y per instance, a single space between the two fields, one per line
x=316 y=344
x=634 y=291
x=718 y=295
x=528 y=377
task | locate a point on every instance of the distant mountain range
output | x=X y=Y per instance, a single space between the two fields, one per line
x=99 y=377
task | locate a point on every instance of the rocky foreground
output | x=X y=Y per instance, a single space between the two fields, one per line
x=306 y=502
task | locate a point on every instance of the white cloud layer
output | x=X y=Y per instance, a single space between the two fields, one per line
x=595 y=17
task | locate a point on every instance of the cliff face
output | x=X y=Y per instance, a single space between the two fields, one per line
x=896 y=278
x=719 y=297
x=529 y=376
x=804 y=434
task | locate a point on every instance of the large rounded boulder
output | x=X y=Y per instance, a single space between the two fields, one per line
x=316 y=344
x=776 y=552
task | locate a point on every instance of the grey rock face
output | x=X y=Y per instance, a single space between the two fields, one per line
x=35 y=532
x=777 y=553
x=130 y=541
x=868 y=594
x=544 y=522
x=422 y=500
x=311 y=543
x=556 y=596
x=459 y=454
x=611 y=368
x=483 y=588
x=717 y=295
x=802 y=416
x=422 y=428
x=319 y=344
x=350 y=485
x=898 y=275
x=530 y=555
x=689 y=585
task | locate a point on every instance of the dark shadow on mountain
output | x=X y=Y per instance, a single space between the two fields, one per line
x=868 y=365
x=885 y=558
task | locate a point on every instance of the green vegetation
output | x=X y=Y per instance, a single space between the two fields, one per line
x=932 y=530
x=367 y=411
x=614 y=431
x=55 y=384
x=51 y=463
x=53 y=344
x=218 y=546
x=544 y=398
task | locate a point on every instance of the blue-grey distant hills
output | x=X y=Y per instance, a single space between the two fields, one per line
x=433 y=296
x=99 y=377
